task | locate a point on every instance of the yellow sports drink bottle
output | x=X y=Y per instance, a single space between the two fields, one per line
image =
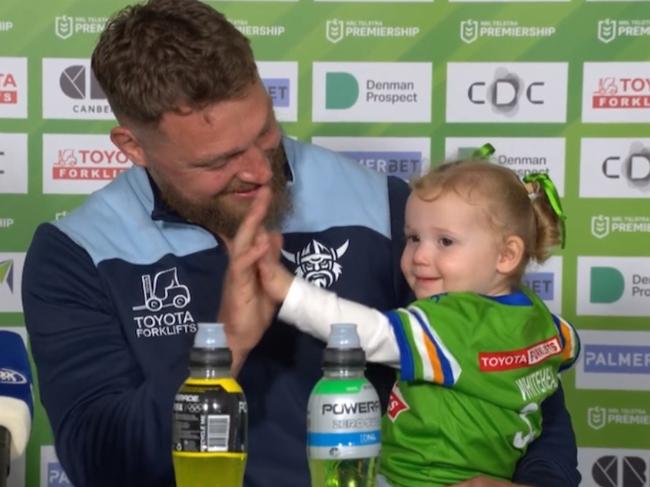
x=210 y=417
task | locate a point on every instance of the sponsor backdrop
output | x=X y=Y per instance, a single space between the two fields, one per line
x=559 y=86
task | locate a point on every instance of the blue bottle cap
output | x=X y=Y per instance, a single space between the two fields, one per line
x=210 y=336
x=343 y=336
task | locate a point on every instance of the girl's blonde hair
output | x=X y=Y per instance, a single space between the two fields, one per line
x=511 y=207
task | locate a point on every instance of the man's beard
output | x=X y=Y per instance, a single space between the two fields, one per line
x=223 y=219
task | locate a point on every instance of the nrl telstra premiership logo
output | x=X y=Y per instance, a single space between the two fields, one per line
x=63 y=26
x=597 y=417
x=318 y=263
x=468 y=31
x=334 y=30
x=600 y=226
x=606 y=30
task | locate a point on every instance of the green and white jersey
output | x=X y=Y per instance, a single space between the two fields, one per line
x=497 y=359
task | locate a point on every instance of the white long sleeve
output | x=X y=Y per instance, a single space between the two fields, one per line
x=313 y=310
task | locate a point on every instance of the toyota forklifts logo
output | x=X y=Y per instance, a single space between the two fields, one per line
x=163 y=291
x=164 y=306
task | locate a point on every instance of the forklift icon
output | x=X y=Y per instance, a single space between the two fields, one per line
x=164 y=292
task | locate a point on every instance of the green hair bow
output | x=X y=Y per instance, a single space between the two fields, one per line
x=483 y=152
x=546 y=185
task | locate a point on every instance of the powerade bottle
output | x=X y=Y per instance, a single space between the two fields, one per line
x=210 y=417
x=343 y=416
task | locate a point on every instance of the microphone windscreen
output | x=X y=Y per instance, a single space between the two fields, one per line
x=16 y=404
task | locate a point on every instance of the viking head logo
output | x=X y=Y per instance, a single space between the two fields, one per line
x=317 y=263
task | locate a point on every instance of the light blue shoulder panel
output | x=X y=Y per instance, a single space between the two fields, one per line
x=330 y=190
x=115 y=222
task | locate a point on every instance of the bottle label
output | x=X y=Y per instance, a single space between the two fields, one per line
x=209 y=418
x=343 y=420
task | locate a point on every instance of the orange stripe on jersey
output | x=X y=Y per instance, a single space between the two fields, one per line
x=434 y=359
x=567 y=353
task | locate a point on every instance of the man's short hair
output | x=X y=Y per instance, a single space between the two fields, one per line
x=171 y=55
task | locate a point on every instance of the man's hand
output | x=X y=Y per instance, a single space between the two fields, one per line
x=245 y=309
x=274 y=277
x=487 y=482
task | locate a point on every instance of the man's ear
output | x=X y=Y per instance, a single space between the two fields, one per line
x=511 y=254
x=127 y=142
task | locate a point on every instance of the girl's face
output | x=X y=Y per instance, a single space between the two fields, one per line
x=450 y=246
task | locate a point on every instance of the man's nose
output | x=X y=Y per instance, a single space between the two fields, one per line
x=255 y=166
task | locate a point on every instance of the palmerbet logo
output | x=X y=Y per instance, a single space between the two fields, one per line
x=56 y=477
x=607 y=285
x=403 y=164
x=616 y=359
x=341 y=90
x=278 y=90
x=7 y=274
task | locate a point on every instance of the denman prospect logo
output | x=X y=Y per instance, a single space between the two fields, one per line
x=371 y=92
x=607 y=285
x=613 y=286
x=342 y=91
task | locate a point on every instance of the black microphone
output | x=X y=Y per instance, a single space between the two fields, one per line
x=16 y=404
